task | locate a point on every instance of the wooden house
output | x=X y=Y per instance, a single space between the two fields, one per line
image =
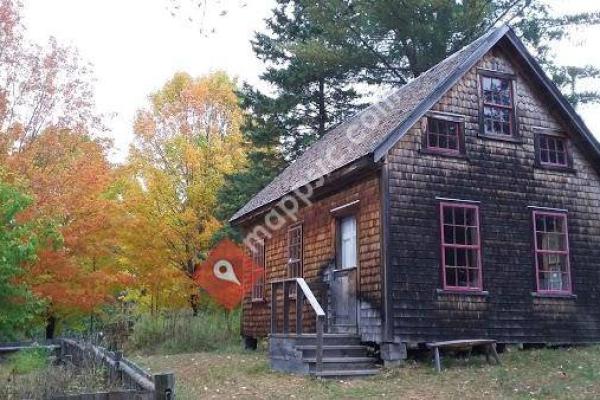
x=464 y=205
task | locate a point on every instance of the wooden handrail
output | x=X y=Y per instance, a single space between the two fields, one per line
x=312 y=300
x=302 y=291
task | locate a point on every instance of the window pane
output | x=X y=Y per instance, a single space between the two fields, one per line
x=553 y=150
x=450 y=254
x=461 y=263
x=540 y=223
x=463 y=277
x=498 y=105
x=460 y=235
x=459 y=216
x=461 y=257
x=295 y=251
x=473 y=277
x=472 y=236
x=552 y=256
x=453 y=143
x=554 y=280
x=471 y=216
x=348 y=242
x=442 y=134
x=443 y=142
x=451 y=278
x=448 y=215
x=449 y=234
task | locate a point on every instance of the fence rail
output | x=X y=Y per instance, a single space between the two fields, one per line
x=136 y=382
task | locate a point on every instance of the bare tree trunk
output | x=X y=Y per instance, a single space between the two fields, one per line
x=195 y=303
x=50 y=327
x=322 y=109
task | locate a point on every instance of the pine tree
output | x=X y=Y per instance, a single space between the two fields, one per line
x=311 y=73
x=319 y=53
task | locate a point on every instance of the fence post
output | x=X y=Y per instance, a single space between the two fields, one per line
x=164 y=386
x=115 y=375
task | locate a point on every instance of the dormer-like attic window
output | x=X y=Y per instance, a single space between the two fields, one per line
x=497 y=104
x=553 y=150
x=443 y=134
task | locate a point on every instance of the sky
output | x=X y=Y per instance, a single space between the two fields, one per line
x=137 y=45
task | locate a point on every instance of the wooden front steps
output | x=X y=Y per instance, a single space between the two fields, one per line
x=343 y=355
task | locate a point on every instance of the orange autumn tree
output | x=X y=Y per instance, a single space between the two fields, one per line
x=69 y=176
x=186 y=141
x=49 y=147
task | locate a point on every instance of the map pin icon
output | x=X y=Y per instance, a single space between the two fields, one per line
x=224 y=270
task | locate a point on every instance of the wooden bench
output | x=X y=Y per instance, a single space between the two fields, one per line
x=488 y=345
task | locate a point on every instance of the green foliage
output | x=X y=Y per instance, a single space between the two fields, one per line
x=29 y=360
x=262 y=129
x=311 y=72
x=178 y=332
x=18 y=245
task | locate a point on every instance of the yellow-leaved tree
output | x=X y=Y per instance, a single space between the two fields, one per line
x=186 y=141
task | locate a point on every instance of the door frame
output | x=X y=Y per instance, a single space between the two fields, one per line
x=349 y=209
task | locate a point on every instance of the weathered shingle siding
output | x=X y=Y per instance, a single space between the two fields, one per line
x=502 y=176
x=319 y=252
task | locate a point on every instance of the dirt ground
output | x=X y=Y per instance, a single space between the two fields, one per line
x=562 y=373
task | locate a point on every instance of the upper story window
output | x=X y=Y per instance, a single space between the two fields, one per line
x=553 y=150
x=461 y=246
x=444 y=135
x=258 y=271
x=553 y=274
x=497 y=108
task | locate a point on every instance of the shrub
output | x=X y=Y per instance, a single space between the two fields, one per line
x=29 y=374
x=29 y=360
x=181 y=332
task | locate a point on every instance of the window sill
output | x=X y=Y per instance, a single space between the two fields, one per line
x=554 y=295
x=257 y=301
x=482 y=293
x=556 y=168
x=431 y=152
x=510 y=139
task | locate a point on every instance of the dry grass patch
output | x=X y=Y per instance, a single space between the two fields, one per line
x=563 y=373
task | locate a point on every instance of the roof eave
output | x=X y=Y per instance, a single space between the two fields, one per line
x=355 y=167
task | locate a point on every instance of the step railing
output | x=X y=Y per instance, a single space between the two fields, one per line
x=302 y=292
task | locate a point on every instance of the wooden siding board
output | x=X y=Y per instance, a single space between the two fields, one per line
x=503 y=177
x=318 y=255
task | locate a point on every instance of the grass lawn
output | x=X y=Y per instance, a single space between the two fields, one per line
x=564 y=373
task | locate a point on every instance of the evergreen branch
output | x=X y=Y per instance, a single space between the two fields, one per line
x=365 y=43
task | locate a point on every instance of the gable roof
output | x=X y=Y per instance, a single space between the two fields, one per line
x=376 y=129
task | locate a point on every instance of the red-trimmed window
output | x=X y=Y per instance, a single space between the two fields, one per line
x=443 y=135
x=498 y=105
x=461 y=246
x=551 y=239
x=553 y=150
x=258 y=271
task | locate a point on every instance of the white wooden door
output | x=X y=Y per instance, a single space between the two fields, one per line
x=344 y=278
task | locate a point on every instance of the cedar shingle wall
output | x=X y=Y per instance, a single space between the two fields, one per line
x=319 y=252
x=502 y=176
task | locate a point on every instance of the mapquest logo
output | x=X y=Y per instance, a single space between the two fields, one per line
x=226 y=274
